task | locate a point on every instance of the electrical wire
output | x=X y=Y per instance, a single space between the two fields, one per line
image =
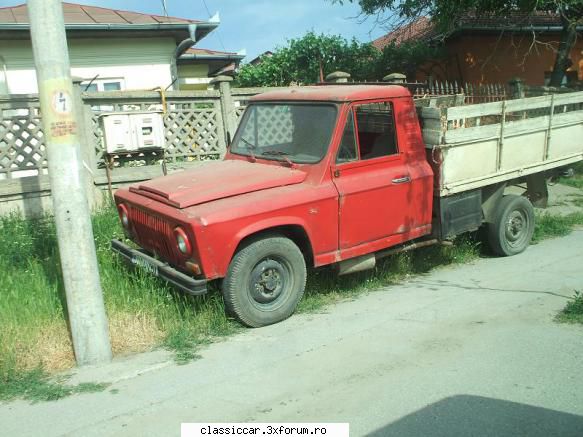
x=91 y=82
x=206 y=7
x=218 y=32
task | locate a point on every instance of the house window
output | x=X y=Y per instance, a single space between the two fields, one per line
x=3 y=77
x=103 y=85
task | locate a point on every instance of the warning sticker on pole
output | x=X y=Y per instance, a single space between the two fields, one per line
x=63 y=128
x=58 y=114
x=62 y=102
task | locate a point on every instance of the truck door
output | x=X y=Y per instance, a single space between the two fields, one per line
x=372 y=178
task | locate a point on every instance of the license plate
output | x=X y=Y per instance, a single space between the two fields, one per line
x=144 y=265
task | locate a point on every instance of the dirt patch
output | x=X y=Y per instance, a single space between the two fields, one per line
x=51 y=346
x=131 y=333
x=564 y=200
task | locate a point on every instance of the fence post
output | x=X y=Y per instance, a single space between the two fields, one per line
x=430 y=80
x=395 y=78
x=87 y=143
x=338 y=77
x=223 y=85
x=517 y=90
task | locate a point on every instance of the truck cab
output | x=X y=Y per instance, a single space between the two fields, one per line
x=360 y=148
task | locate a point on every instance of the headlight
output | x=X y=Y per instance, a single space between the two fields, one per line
x=123 y=215
x=182 y=241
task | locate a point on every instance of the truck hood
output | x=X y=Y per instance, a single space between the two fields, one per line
x=217 y=180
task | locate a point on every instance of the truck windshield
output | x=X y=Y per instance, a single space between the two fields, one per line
x=299 y=133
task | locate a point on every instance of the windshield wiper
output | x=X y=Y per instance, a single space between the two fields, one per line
x=274 y=153
x=250 y=147
x=279 y=153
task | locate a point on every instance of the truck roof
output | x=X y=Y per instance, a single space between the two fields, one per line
x=334 y=93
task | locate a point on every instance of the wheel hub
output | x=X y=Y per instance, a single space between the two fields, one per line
x=267 y=281
x=515 y=226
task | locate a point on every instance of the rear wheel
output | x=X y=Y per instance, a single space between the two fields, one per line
x=265 y=282
x=511 y=231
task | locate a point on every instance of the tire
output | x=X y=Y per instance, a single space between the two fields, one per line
x=511 y=231
x=265 y=282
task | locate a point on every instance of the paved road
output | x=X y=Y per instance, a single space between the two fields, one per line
x=470 y=350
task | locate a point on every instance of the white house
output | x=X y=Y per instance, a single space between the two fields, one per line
x=197 y=66
x=115 y=50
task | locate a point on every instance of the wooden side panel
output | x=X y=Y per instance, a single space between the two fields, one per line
x=468 y=161
x=523 y=150
x=566 y=140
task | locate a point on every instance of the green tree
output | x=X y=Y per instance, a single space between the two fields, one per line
x=406 y=58
x=300 y=61
x=446 y=15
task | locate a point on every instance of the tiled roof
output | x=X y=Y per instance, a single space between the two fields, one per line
x=81 y=14
x=415 y=30
x=207 y=52
x=423 y=29
x=229 y=70
x=259 y=58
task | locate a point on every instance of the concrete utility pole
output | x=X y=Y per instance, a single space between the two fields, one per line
x=87 y=318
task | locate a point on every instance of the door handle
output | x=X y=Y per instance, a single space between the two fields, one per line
x=402 y=180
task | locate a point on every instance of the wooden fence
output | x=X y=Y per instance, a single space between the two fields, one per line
x=22 y=149
x=193 y=127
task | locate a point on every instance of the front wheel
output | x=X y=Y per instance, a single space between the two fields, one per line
x=265 y=282
x=513 y=226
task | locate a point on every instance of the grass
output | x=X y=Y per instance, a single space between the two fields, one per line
x=144 y=312
x=548 y=225
x=37 y=385
x=183 y=344
x=573 y=312
x=576 y=181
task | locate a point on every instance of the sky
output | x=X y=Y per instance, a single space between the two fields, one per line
x=254 y=25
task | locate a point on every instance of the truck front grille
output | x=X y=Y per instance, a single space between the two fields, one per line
x=154 y=234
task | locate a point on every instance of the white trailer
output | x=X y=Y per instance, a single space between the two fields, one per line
x=477 y=151
x=474 y=146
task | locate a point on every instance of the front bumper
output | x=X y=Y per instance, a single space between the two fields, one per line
x=138 y=258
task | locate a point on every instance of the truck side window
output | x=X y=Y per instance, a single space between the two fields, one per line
x=347 y=150
x=376 y=130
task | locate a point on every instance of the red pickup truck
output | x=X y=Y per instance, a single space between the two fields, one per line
x=314 y=176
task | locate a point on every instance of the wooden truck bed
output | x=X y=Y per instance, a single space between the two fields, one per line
x=472 y=146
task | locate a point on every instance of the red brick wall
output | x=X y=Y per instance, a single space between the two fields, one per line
x=483 y=58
